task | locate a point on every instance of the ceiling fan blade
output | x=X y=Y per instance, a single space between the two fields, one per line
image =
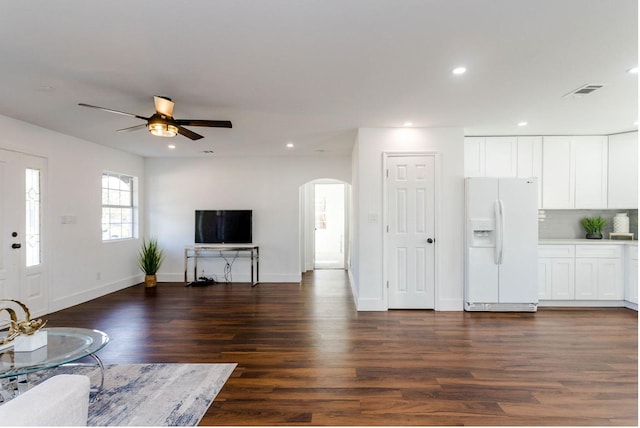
x=113 y=111
x=189 y=134
x=163 y=105
x=132 y=128
x=209 y=123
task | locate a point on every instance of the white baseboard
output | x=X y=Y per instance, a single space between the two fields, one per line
x=365 y=304
x=450 y=305
x=64 y=302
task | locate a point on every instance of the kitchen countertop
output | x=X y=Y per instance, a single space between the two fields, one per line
x=568 y=241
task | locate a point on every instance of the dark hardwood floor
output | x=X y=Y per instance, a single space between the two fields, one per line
x=306 y=357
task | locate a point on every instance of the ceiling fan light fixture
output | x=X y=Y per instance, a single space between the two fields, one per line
x=162 y=129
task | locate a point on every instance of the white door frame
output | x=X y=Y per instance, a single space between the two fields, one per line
x=307 y=221
x=385 y=219
x=41 y=271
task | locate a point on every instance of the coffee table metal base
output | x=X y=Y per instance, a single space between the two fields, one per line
x=11 y=387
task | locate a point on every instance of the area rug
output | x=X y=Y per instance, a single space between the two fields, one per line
x=150 y=394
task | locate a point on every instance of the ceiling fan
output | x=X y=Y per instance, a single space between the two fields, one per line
x=162 y=123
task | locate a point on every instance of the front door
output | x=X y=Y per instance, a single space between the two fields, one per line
x=21 y=262
x=410 y=232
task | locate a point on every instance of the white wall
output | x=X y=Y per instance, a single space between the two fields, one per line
x=269 y=186
x=74 y=254
x=367 y=184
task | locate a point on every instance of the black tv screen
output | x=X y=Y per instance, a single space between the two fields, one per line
x=223 y=227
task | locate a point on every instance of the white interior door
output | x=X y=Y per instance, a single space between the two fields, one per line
x=21 y=262
x=410 y=257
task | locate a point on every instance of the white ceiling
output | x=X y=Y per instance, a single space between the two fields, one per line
x=313 y=71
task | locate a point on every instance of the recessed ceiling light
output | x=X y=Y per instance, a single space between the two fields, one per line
x=633 y=70
x=290 y=145
x=459 y=70
x=408 y=124
x=635 y=123
x=172 y=146
x=522 y=123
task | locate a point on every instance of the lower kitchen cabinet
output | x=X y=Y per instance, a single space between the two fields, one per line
x=599 y=279
x=631 y=280
x=599 y=273
x=556 y=272
x=593 y=272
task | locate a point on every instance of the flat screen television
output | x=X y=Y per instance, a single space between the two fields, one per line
x=224 y=227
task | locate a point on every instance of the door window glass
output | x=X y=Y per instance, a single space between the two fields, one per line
x=33 y=226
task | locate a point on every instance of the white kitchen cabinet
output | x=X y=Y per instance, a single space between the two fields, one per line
x=599 y=273
x=503 y=157
x=500 y=156
x=556 y=272
x=586 y=279
x=529 y=157
x=574 y=172
x=490 y=156
x=590 y=166
x=530 y=161
x=474 y=157
x=558 y=173
x=631 y=277
x=623 y=171
x=599 y=279
x=544 y=278
x=562 y=279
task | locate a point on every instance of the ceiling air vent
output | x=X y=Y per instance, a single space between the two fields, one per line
x=585 y=90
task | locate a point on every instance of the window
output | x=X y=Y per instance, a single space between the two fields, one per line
x=32 y=219
x=117 y=206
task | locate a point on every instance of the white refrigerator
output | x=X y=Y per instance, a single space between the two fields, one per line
x=501 y=240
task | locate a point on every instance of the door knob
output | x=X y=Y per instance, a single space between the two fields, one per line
x=430 y=241
x=15 y=246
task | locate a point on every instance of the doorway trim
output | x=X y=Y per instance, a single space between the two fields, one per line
x=307 y=222
x=385 y=218
x=42 y=269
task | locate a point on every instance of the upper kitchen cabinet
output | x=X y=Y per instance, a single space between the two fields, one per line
x=474 y=157
x=502 y=156
x=591 y=171
x=623 y=171
x=558 y=173
x=574 y=172
x=530 y=161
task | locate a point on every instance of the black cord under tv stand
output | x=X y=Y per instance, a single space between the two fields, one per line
x=196 y=252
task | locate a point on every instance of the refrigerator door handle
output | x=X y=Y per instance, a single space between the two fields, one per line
x=498 y=248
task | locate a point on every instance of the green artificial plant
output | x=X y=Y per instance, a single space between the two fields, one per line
x=150 y=257
x=593 y=225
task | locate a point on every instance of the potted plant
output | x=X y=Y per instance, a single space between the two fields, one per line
x=149 y=259
x=593 y=226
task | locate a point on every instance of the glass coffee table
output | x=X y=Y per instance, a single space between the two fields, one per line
x=65 y=346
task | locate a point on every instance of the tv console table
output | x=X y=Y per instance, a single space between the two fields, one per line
x=196 y=252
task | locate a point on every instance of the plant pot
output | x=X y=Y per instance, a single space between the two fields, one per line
x=150 y=281
x=594 y=235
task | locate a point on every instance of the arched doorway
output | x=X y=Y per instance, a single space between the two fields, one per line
x=324 y=224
